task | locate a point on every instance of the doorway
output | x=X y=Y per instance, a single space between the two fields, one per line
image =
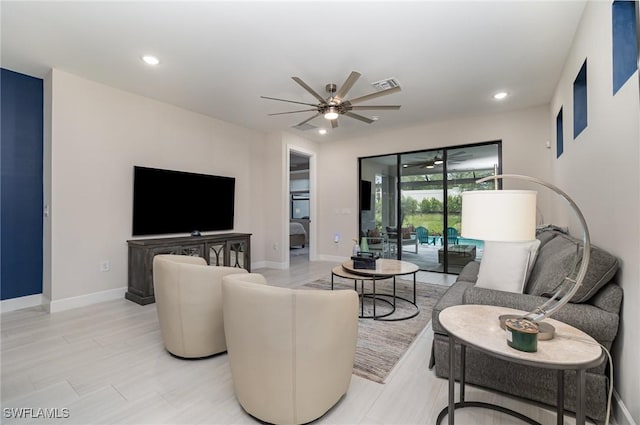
x=299 y=207
x=413 y=209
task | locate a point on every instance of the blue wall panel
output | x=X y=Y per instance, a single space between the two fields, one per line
x=580 y=101
x=559 y=134
x=625 y=42
x=21 y=132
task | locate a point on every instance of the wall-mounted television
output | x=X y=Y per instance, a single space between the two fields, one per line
x=167 y=201
x=365 y=195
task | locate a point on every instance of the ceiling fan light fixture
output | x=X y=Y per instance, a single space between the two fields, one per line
x=337 y=103
x=438 y=161
x=331 y=113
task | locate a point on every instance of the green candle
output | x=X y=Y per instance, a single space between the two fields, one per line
x=522 y=334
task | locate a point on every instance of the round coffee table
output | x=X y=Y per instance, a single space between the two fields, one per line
x=385 y=269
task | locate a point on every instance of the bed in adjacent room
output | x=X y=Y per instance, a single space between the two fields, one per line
x=297 y=234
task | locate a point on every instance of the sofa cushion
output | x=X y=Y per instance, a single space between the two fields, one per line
x=546 y=233
x=453 y=296
x=556 y=260
x=506 y=266
x=469 y=272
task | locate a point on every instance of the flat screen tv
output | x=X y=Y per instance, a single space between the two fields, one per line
x=365 y=195
x=166 y=201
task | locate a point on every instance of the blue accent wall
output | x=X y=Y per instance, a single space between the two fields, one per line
x=559 y=134
x=625 y=42
x=580 y=101
x=21 y=192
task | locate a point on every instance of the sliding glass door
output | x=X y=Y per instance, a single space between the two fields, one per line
x=411 y=204
x=379 y=204
x=422 y=207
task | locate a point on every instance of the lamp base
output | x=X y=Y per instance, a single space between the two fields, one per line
x=545 y=330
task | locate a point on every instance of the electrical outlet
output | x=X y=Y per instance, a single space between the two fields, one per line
x=105 y=266
x=336 y=238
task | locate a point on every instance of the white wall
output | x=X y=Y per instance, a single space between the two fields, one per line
x=600 y=169
x=273 y=206
x=97 y=135
x=273 y=193
x=524 y=134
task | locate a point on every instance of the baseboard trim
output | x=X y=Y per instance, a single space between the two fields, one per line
x=85 y=300
x=258 y=265
x=19 y=303
x=621 y=414
x=334 y=258
x=269 y=265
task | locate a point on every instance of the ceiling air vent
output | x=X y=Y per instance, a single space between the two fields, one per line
x=304 y=127
x=387 y=83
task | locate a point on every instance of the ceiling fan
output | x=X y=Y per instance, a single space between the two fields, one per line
x=336 y=104
x=453 y=158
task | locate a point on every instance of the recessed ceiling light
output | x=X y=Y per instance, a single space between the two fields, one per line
x=500 y=95
x=322 y=131
x=150 y=60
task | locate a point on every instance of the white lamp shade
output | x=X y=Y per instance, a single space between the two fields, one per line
x=499 y=215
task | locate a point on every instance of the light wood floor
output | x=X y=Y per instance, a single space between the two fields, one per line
x=106 y=364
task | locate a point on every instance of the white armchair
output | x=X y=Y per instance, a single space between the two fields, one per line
x=291 y=351
x=188 y=296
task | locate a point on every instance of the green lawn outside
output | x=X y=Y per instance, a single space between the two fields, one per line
x=432 y=221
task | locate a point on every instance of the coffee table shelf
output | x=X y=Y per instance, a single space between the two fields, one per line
x=385 y=269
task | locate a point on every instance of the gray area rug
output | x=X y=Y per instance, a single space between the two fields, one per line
x=381 y=344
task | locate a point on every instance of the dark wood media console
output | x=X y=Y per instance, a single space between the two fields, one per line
x=226 y=249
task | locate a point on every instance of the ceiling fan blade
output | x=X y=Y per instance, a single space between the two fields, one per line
x=307 y=120
x=310 y=90
x=373 y=108
x=374 y=95
x=346 y=86
x=334 y=123
x=359 y=117
x=294 y=112
x=290 y=101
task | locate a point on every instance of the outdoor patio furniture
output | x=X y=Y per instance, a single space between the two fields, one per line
x=452 y=236
x=423 y=236
x=458 y=255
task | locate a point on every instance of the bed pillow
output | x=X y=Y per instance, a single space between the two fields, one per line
x=506 y=266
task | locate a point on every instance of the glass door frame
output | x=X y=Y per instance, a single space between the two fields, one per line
x=445 y=190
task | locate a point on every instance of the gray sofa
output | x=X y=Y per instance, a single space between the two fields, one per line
x=594 y=309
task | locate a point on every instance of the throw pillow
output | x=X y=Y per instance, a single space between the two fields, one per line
x=559 y=257
x=505 y=266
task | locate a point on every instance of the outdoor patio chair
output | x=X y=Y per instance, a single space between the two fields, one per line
x=452 y=236
x=423 y=236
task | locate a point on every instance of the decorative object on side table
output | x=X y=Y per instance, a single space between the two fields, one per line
x=510 y=216
x=364 y=260
x=356 y=247
x=522 y=334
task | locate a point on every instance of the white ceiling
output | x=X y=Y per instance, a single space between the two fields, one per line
x=218 y=58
